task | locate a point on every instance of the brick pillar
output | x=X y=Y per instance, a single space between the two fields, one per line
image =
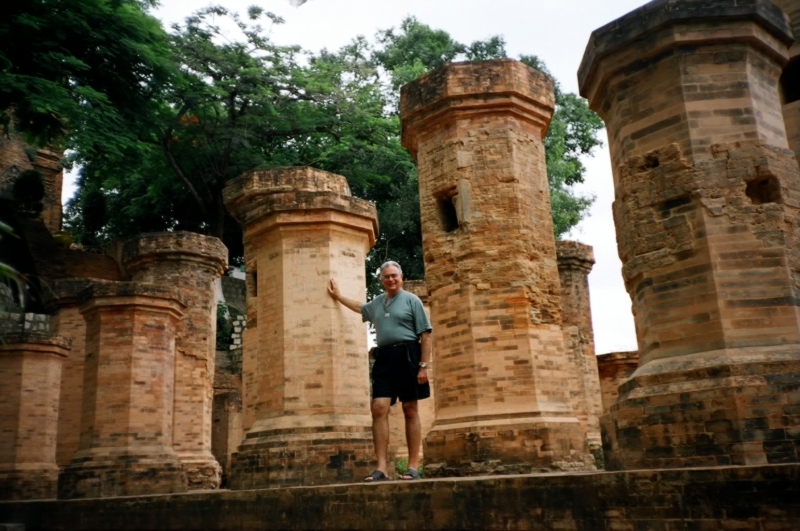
x=68 y=322
x=191 y=263
x=129 y=372
x=614 y=369
x=250 y=376
x=706 y=210
x=790 y=79
x=48 y=163
x=30 y=374
x=398 y=448
x=575 y=261
x=502 y=374
x=311 y=418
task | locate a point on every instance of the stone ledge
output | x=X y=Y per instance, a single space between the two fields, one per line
x=138 y=251
x=653 y=16
x=53 y=344
x=574 y=255
x=747 y=497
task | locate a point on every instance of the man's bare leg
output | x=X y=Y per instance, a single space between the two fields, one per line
x=380 y=431
x=413 y=433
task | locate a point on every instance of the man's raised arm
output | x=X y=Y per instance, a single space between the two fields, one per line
x=333 y=290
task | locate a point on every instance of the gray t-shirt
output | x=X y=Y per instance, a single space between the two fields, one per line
x=403 y=320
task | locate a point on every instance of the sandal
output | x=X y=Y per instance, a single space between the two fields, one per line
x=376 y=475
x=410 y=475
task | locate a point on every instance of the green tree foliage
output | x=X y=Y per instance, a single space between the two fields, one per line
x=84 y=68
x=235 y=104
x=28 y=192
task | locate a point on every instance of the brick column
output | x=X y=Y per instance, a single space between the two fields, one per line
x=30 y=374
x=129 y=372
x=49 y=165
x=502 y=374
x=575 y=261
x=68 y=322
x=191 y=263
x=614 y=369
x=706 y=209
x=311 y=417
x=790 y=79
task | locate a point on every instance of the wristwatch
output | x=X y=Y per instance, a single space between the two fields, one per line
x=423 y=365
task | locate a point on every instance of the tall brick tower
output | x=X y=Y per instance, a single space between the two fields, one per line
x=476 y=132
x=311 y=418
x=575 y=261
x=191 y=263
x=706 y=209
x=790 y=79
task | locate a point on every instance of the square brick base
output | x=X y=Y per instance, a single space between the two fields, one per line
x=516 y=448
x=306 y=456
x=121 y=475
x=29 y=483
x=721 y=408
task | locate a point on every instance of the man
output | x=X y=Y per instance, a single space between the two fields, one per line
x=403 y=334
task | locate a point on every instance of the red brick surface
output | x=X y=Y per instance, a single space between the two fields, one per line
x=128 y=387
x=614 y=369
x=30 y=371
x=707 y=212
x=575 y=261
x=723 y=498
x=191 y=263
x=306 y=387
x=502 y=375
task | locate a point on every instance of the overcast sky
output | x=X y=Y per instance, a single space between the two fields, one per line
x=555 y=30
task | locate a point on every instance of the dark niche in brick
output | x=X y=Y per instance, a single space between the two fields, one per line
x=761 y=191
x=790 y=82
x=447 y=213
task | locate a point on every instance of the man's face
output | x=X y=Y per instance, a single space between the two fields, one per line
x=392 y=280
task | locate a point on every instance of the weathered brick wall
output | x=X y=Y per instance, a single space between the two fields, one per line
x=575 y=262
x=68 y=322
x=475 y=130
x=30 y=371
x=128 y=391
x=226 y=417
x=235 y=292
x=707 y=212
x=745 y=498
x=614 y=369
x=306 y=377
x=191 y=263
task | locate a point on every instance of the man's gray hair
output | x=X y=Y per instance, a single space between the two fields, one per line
x=391 y=263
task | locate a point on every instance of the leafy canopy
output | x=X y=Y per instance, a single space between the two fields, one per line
x=235 y=103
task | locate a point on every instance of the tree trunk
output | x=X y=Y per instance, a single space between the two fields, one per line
x=216 y=216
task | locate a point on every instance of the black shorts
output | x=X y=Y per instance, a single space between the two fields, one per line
x=395 y=372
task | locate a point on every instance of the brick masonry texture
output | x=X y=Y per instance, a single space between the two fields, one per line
x=129 y=373
x=192 y=263
x=575 y=261
x=754 y=498
x=614 y=369
x=30 y=371
x=306 y=376
x=707 y=211
x=67 y=321
x=502 y=380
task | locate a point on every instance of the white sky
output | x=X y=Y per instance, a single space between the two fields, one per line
x=555 y=30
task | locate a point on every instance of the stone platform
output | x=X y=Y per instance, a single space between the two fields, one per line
x=745 y=497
